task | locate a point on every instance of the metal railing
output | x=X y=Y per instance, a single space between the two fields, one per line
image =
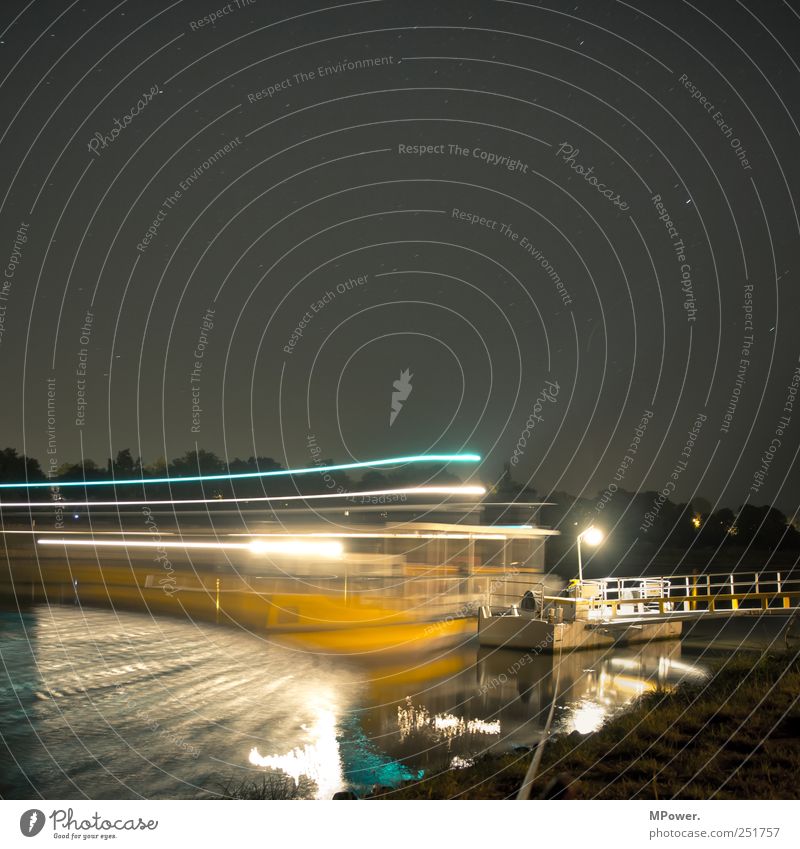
x=717 y=591
x=508 y=592
x=641 y=596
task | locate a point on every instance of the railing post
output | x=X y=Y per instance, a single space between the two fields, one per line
x=734 y=601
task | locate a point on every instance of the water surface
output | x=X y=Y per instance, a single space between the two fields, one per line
x=100 y=704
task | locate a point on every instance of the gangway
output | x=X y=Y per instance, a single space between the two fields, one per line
x=721 y=591
x=606 y=611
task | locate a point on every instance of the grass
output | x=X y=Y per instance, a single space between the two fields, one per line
x=736 y=736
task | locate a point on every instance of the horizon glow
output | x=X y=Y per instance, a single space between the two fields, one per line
x=366 y=464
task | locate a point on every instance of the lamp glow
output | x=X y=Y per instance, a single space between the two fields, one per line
x=592 y=536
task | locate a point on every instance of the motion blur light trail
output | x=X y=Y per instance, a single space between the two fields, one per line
x=372 y=493
x=257 y=546
x=339 y=467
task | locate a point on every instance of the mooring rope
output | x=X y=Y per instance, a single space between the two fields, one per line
x=530 y=775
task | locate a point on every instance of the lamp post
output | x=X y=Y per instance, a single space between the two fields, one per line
x=592 y=536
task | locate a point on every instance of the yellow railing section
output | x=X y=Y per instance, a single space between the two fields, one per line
x=713 y=592
x=647 y=595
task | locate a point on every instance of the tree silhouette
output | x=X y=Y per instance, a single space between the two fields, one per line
x=18 y=467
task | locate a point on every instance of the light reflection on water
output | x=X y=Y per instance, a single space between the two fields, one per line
x=99 y=704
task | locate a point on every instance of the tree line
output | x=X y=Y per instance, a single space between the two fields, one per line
x=626 y=516
x=656 y=523
x=16 y=467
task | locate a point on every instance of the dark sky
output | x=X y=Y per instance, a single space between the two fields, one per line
x=694 y=103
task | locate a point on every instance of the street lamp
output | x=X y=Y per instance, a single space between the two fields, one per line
x=591 y=536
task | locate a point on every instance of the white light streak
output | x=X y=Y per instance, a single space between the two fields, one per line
x=416 y=490
x=293 y=547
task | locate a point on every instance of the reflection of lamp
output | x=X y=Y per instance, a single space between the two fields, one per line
x=592 y=536
x=588 y=716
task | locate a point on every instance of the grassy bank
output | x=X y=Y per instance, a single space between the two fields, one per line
x=735 y=736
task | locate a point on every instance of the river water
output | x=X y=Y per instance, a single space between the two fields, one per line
x=101 y=704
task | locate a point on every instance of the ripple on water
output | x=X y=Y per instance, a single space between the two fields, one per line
x=166 y=710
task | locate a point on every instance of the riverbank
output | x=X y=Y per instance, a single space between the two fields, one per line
x=735 y=736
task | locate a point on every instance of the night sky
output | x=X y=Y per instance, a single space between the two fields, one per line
x=563 y=219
